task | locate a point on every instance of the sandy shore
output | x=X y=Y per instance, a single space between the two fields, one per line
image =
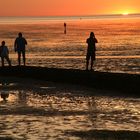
x=128 y=84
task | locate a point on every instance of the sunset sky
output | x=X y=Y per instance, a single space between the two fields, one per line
x=67 y=7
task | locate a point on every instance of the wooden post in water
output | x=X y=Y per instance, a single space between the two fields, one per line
x=65 y=28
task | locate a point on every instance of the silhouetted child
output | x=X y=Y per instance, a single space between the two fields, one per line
x=4 y=53
x=91 y=41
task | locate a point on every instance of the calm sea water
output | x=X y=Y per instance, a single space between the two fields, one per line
x=117 y=51
x=38 y=110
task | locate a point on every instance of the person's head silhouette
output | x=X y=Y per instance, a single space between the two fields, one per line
x=3 y=43
x=92 y=34
x=20 y=34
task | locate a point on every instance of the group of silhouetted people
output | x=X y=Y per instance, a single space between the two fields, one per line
x=19 y=47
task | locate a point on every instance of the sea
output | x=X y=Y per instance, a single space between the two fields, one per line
x=44 y=110
x=118 y=46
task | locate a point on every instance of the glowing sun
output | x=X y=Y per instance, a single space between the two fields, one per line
x=125 y=13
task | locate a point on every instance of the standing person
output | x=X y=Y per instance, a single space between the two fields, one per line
x=91 y=41
x=65 y=28
x=4 y=53
x=20 y=44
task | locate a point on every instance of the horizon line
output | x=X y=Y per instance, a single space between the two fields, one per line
x=129 y=14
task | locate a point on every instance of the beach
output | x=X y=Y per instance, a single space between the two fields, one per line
x=52 y=103
x=54 y=97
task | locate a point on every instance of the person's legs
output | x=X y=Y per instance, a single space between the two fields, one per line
x=19 y=55
x=24 y=59
x=91 y=64
x=2 y=61
x=87 y=61
x=8 y=60
x=92 y=60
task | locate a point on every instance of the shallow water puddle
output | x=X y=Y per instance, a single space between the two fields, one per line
x=42 y=110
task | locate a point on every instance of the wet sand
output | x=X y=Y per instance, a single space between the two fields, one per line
x=98 y=135
x=38 y=109
x=126 y=83
x=106 y=135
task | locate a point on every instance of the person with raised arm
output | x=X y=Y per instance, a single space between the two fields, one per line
x=91 y=49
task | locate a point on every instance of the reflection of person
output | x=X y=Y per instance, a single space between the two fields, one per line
x=4 y=53
x=4 y=95
x=65 y=28
x=19 y=45
x=91 y=41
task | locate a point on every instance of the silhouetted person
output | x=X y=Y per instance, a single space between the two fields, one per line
x=91 y=41
x=65 y=28
x=4 y=53
x=20 y=48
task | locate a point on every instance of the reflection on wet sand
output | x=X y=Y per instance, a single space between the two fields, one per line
x=43 y=110
x=4 y=94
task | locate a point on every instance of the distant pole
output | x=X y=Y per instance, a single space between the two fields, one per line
x=65 y=28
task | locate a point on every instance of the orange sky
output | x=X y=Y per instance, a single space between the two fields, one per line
x=67 y=7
